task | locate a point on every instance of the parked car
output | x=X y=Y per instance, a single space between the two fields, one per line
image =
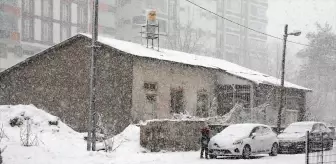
x=293 y=138
x=244 y=140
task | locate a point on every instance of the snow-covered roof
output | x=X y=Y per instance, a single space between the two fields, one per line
x=196 y=60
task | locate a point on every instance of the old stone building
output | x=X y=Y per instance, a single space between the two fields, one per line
x=137 y=83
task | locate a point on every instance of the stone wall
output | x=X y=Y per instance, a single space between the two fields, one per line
x=57 y=80
x=171 y=135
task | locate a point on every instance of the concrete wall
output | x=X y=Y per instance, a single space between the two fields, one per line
x=169 y=75
x=171 y=135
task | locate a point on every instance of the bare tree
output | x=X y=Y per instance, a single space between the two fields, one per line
x=2 y=136
x=26 y=135
x=185 y=38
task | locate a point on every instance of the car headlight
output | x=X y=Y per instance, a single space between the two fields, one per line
x=239 y=142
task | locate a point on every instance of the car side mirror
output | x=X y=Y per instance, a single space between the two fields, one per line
x=253 y=135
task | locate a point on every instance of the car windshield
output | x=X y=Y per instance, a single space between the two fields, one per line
x=238 y=130
x=298 y=128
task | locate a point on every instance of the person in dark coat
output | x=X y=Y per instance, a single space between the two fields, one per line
x=204 y=142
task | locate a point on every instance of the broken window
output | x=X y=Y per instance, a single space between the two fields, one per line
x=150 y=86
x=202 y=104
x=151 y=99
x=177 y=100
x=243 y=95
x=229 y=95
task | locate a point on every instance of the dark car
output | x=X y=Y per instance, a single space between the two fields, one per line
x=293 y=138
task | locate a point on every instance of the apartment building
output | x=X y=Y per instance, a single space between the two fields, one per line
x=238 y=44
x=106 y=17
x=131 y=15
x=32 y=25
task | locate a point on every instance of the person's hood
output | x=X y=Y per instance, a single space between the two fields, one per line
x=292 y=136
x=221 y=140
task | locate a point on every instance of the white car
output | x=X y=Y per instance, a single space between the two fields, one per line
x=244 y=140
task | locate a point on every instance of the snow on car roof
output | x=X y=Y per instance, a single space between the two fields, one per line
x=307 y=123
x=197 y=60
x=246 y=126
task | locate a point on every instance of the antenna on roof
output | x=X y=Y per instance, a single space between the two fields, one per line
x=151 y=30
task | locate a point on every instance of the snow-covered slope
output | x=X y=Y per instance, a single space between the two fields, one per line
x=56 y=144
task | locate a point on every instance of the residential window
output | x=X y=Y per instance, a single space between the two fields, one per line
x=202 y=104
x=177 y=100
x=27 y=29
x=150 y=86
x=82 y=15
x=229 y=95
x=65 y=32
x=234 y=5
x=46 y=32
x=243 y=94
x=163 y=26
x=254 y=10
x=65 y=12
x=232 y=40
x=151 y=99
x=46 y=8
x=3 y=50
x=27 y=6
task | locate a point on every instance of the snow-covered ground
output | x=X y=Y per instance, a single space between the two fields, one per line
x=60 y=144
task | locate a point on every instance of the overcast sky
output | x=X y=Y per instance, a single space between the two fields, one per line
x=299 y=15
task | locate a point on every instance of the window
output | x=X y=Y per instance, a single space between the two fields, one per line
x=46 y=32
x=151 y=99
x=163 y=26
x=258 y=45
x=65 y=32
x=160 y=5
x=47 y=9
x=229 y=95
x=65 y=14
x=243 y=95
x=234 y=5
x=202 y=104
x=27 y=29
x=266 y=130
x=150 y=86
x=233 y=25
x=177 y=100
x=3 y=50
x=232 y=40
x=258 y=26
x=254 y=10
x=27 y=6
x=257 y=130
x=82 y=17
x=258 y=11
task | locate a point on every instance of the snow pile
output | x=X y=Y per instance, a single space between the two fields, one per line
x=56 y=143
x=127 y=141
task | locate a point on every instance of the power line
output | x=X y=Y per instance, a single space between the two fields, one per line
x=263 y=33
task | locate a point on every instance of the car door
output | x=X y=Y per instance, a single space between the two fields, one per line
x=256 y=141
x=268 y=139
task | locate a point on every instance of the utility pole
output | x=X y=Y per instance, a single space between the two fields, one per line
x=282 y=89
x=91 y=140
